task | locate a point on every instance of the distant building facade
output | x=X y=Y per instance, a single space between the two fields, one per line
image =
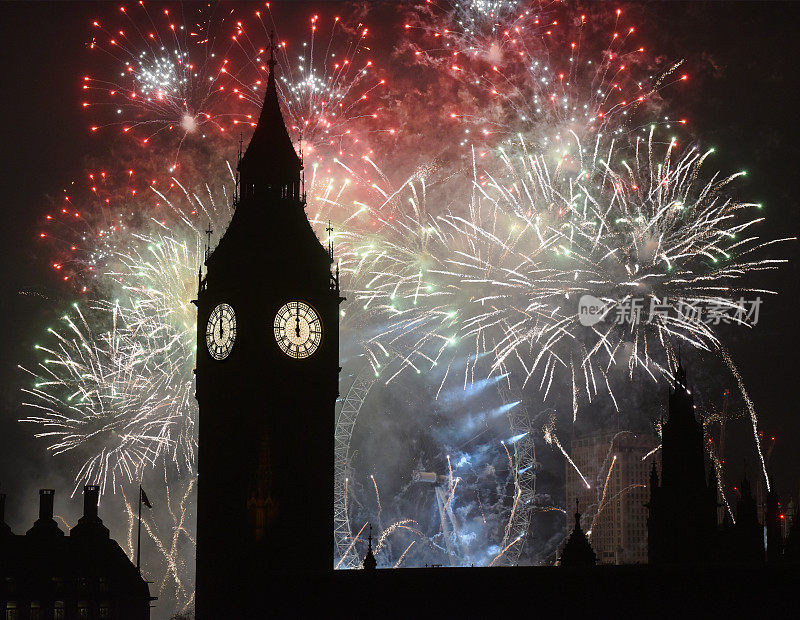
x=47 y=575
x=615 y=515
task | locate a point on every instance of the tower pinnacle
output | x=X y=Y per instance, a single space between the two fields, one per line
x=272 y=46
x=370 y=563
x=270 y=165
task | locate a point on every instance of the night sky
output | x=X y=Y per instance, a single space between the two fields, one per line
x=744 y=100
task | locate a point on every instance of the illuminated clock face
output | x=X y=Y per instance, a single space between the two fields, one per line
x=221 y=331
x=298 y=329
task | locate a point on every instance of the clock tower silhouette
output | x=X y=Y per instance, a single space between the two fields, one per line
x=267 y=382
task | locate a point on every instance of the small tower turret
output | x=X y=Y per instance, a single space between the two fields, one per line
x=578 y=551
x=370 y=563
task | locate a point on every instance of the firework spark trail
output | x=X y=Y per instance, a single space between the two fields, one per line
x=538 y=68
x=508 y=454
x=605 y=485
x=652 y=452
x=122 y=374
x=613 y=498
x=480 y=504
x=648 y=229
x=602 y=503
x=446 y=505
x=509 y=523
x=352 y=544
x=403 y=555
x=377 y=495
x=717 y=464
x=549 y=432
x=506 y=548
x=174 y=580
x=750 y=409
x=389 y=530
x=326 y=95
x=173 y=75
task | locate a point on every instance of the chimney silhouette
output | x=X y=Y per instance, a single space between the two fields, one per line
x=90 y=526
x=45 y=525
x=91 y=496
x=46 y=504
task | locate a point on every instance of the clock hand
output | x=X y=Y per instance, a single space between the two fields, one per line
x=297 y=322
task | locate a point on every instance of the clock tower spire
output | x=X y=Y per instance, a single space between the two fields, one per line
x=267 y=383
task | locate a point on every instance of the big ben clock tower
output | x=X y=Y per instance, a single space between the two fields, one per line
x=267 y=382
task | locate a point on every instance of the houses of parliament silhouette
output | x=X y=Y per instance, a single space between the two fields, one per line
x=683 y=524
x=267 y=383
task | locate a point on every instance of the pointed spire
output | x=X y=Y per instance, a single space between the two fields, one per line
x=680 y=374
x=209 y=232
x=271 y=61
x=270 y=162
x=370 y=563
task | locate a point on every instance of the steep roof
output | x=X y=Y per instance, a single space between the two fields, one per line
x=270 y=154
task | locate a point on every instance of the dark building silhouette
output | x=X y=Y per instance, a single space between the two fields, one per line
x=370 y=563
x=682 y=511
x=577 y=550
x=747 y=543
x=791 y=547
x=773 y=527
x=267 y=383
x=49 y=576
